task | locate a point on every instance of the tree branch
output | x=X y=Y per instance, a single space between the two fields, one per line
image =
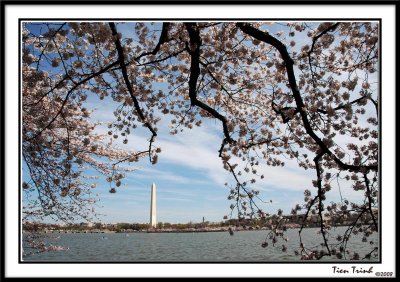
x=343 y=106
x=68 y=94
x=320 y=198
x=163 y=38
x=121 y=60
x=267 y=38
x=194 y=51
x=366 y=180
x=315 y=39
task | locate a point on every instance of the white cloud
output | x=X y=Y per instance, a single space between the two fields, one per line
x=169 y=176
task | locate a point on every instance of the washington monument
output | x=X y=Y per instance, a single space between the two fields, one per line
x=153 y=213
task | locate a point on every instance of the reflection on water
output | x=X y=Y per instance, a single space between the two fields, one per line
x=243 y=246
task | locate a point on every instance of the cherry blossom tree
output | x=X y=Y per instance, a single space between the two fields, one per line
x=288 y=91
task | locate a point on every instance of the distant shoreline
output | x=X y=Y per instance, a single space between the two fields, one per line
x=190 y=230
x=143 y=231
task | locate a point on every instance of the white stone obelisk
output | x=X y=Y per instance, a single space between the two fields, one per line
x=153 y=213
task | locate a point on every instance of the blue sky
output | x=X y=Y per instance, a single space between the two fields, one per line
x=189 y=175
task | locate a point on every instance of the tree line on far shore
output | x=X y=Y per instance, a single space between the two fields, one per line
x=291 y=221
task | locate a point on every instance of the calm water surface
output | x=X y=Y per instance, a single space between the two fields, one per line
x=243 y=246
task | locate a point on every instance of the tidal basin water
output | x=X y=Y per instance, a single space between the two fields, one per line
x=243 y=246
